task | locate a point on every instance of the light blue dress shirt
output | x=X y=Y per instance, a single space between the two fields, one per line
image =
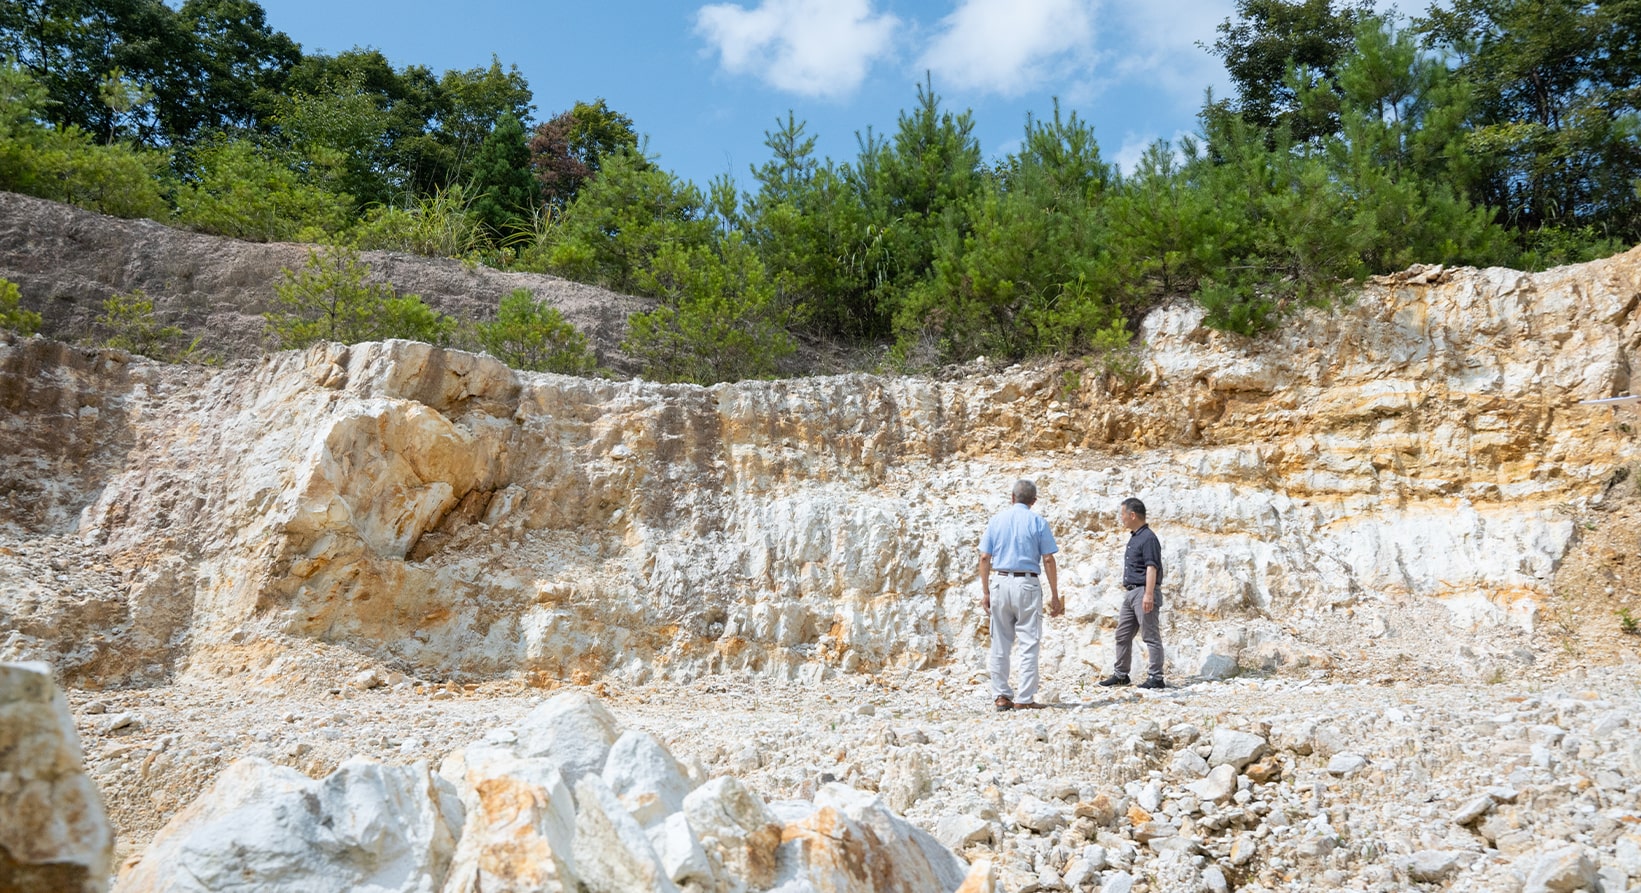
x=1016 y=539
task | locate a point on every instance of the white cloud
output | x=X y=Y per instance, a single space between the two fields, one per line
x=1010 y=46
x=1163 y=44
x=809 y=47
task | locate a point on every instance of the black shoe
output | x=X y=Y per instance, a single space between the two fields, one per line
x=1114 y=680
x=1154 y=682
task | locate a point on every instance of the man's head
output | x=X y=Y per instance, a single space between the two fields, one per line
x=1025 y=492
x=1132 y=513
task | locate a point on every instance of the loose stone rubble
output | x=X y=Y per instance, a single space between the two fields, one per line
x=501 y=815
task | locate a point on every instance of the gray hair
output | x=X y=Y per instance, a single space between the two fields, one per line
x=1025 y=492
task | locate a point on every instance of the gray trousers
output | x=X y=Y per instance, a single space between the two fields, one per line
x=1130 y=619
x=1016 y=613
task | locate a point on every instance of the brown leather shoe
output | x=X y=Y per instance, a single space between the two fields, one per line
x=1030 y=706
x=1002 y=703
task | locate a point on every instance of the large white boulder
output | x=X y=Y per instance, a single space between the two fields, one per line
x=644 y=775
x=365 y=828
x=571 y=730
x=54 y=834
x=519 y=826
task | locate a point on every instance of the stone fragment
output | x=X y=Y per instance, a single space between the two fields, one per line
x=1235 y=749
x=54 y=834
x=680 y=852
x=612 y=852
x=736 y=829
x=1079 y=873
x=1265 y=771
x=1217 y=787
x=1100 y=809
x=959 y=831
x=1627 y=852
x=518 y=831
x=1473 y=809
x=982 y=878
x=366 y=826
x=1117 y=882
x=1561 y=870
x=644 y=776
x=572 y=730
x=1433 y=866
x=1038 y=815
x=851 y=835
x=1342 y=764
x=1243 y=849
x=1189 y=764
x=1214 y=880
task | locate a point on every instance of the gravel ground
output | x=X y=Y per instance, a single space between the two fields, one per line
x=1353 y=785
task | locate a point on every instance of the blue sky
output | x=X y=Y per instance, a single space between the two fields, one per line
x=705 y=80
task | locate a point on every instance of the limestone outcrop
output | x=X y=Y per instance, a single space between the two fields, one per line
x=1420 y=450
x=55 y=835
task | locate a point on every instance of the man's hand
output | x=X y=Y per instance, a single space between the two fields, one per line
x=1056 y=607
x=1148 y=604
x=984 y=573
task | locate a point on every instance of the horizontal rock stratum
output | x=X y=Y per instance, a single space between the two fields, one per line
x=438 y=511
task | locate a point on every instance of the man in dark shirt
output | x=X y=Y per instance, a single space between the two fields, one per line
x=1142 y=577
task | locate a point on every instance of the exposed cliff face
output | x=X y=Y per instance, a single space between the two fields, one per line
x=67 y=261
x=436 y=509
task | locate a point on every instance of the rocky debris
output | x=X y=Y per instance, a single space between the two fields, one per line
x=55 y=835
x=501 y=816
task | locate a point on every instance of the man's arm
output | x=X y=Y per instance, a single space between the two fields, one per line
x=1052 y=572
x=1150 y=603
x=985 y=581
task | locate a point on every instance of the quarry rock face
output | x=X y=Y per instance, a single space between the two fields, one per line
x=55 y=835
x=437 y=509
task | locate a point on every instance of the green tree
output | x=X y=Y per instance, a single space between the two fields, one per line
x=128 y=322
x=470 y=105
x=504 y=191
x=1269 y=41
x=329 y=299
x=251 y=191
x=341 y=120
x=1027 y=278
x=916 y=189
x=720 y=318
x=529 y=334
x=65 y=163
x=803 y=221
x=621 y=222
x=1556 y=115
x=12 y=314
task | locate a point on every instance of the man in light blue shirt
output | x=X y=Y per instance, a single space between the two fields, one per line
x=1019 y=545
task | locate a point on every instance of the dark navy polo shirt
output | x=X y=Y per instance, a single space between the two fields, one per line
x=1143 y=551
